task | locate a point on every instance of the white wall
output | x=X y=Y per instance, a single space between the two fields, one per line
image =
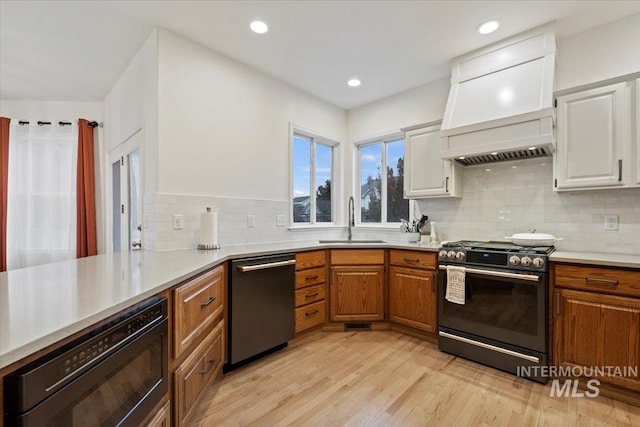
x=224 y=127
x=132 y=104
x=68 y=111
x=420 y=105
x=601 y=53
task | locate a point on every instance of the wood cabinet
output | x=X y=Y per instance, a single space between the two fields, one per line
x=592 y=326
x=198 y=339
x=197 y=371
x=310 y=289
x=593 y=139
x=426 y=175
x=357 y=285
x=412 y=289
x=162 y=417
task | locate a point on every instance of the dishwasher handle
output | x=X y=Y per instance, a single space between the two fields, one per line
x=247 y=268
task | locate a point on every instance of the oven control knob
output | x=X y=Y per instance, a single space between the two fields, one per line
x=442 y=254
x=460 y=256
x=514 y=260
x=538 y=262
x=526 y=261
x=451 y=254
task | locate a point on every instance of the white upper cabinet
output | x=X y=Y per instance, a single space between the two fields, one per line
x=426 y=174
x=593 y=149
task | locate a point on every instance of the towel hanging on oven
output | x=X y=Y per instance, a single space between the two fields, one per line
x=455 y=291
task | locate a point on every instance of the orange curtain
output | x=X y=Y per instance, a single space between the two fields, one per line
x=4 y=185
x=86 y=236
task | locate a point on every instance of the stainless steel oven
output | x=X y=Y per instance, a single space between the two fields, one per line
x=504 y=319
x=112 y=376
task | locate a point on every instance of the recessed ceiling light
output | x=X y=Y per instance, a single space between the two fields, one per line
x=461 y=157
x=487 y=170
x=354 y=82
x=259 y=27
x=488 y=27
x=532 y=148
x=495 y=153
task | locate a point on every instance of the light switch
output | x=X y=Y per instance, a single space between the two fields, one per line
x=178 y=221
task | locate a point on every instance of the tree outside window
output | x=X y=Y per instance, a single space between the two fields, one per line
x=381 y=194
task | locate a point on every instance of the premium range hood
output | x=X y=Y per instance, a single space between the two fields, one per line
x=500 y=105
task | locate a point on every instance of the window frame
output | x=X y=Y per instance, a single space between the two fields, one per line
x=357 y=169
x=315 y=138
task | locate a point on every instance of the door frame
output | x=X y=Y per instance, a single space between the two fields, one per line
x=128 y=145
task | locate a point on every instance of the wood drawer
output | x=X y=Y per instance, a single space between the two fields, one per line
x=310 y=277
x=310 y=315
x=412 y=259
x=357 y=256
x=197 y=304
x=599 y=279
x=310 y=259
x=310 y=294
x=197 y=371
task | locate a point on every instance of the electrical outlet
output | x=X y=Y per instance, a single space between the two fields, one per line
x=251 y=221
x=178 y=221
x=611 y=222
x=281 y=220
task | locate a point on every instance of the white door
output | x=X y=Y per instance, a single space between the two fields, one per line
x=426 y=174
x=126 y=194
x=590 y=131
x=637 y=135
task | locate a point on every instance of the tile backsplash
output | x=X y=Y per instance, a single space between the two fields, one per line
x=499 y=199
x=232 y=221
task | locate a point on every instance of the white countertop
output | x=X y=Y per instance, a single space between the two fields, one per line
x=597 y=258
x=42 y=305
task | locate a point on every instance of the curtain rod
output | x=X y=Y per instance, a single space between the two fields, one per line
x=61 y=123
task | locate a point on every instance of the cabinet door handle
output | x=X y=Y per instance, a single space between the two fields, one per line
x=433 y=283
x=619 y=170
x=596 y=281
x=311 y=313
x=315 y=294
x=557 y=302
x=311 y=278
x=209 y=367
x=411 y=260
x=209 y=301
x=446 y=185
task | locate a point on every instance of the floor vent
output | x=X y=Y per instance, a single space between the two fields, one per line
x=357 y=326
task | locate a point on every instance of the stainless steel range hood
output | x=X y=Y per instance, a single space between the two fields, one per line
x=500 y=105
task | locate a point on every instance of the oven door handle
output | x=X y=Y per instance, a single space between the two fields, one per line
x=528 y=277
x=490 y=347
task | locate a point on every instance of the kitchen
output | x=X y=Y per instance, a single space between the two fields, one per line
x=227 y=104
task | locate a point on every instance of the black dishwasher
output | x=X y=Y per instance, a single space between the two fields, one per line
x=261 y=306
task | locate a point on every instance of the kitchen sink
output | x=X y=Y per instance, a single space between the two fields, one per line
x=352 y=241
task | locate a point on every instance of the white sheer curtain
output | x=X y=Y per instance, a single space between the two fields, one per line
x=41 y=218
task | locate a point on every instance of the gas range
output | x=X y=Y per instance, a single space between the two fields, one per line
x=500 y=254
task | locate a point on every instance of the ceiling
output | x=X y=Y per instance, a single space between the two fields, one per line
x=76 y=50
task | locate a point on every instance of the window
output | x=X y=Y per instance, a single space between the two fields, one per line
x=312 y=175
x=381 y=194
x=41 y=207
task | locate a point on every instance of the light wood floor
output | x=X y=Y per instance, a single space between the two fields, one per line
x=384 y=378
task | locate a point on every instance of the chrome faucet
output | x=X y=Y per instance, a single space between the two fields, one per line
x=352 y=214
